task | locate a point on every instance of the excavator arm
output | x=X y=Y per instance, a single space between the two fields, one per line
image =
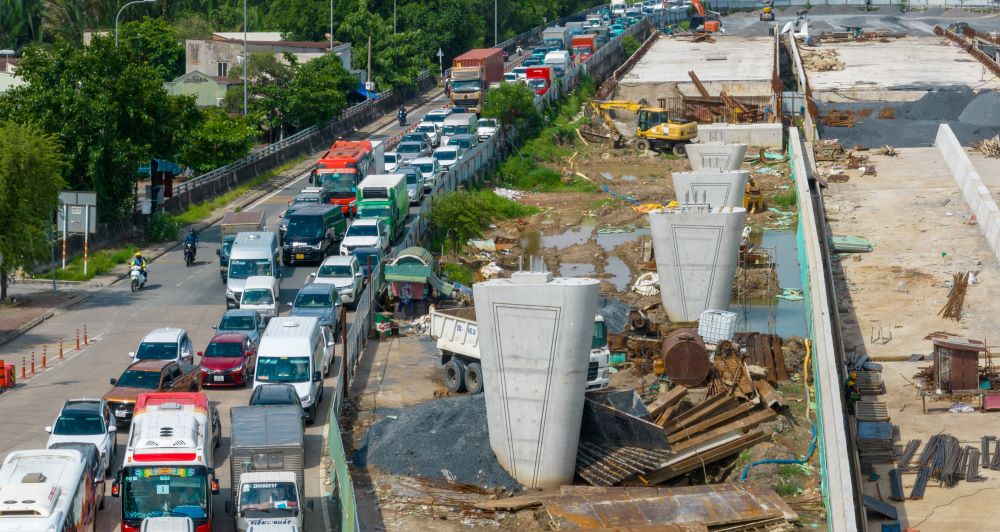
x=697 y=5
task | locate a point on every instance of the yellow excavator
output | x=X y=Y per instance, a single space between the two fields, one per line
x=655 y=130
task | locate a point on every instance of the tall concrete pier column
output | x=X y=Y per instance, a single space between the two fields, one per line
x=534 y=339
x=721 y=157
x=697 y=251
x=717 y=189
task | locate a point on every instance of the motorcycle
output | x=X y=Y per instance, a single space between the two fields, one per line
x=188 y=254
x=402 y=118
x=136 y=278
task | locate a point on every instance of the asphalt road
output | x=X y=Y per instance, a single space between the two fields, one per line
x=116 y=319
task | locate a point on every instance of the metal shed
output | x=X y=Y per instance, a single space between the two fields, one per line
x=415 y=265
x=956 y=362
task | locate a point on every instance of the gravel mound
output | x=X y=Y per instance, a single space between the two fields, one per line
x=444 y=438
x=833 y=10
x=938 y=105
x=956 y=12
x=932 y=12
x=984 y=110
x=790 y=10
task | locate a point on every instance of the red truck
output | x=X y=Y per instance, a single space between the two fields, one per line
x=539 y=79
x=340 y=170
x=584 y=46
x=471 y=75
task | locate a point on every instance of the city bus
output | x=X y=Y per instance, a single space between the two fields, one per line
x=49 y=489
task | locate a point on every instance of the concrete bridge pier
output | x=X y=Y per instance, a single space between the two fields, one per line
x=717 y=189
x=722 y=157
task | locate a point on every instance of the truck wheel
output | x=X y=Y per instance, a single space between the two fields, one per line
x=642 y=145
x=680 y=149
x=454 y=375
x=474 y=378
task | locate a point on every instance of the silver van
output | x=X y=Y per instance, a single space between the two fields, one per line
x=458 y=124
x=253 y=254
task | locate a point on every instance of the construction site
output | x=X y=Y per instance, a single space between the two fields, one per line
x=777 y=342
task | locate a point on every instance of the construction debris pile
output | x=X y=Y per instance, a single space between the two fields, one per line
x=821 y=59
x=830 y=150
x=989 y=147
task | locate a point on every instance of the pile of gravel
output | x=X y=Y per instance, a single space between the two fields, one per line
x=938 y=105
x=444 y=438
x=984 y=110
x=834 y=10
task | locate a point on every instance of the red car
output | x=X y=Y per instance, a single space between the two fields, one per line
x=228 y=360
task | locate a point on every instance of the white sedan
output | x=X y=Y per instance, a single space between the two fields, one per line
x=343 y=272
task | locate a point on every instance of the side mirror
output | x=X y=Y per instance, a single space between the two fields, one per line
x=218 y=252
x=131 y=354
x=201 y=353
x=48 y=429
x=331 y=344
x=317 y=376
x=214 y=327
x=114 y=382
x=312 y=274
x=310 y=506
x=229 y=508
x=112 y=428
x=215 y=486
x=115 y=489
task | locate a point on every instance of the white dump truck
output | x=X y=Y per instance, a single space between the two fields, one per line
x=457 y=337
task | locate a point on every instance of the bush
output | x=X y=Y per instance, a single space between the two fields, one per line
x=630 y=45
x=461 y=215
x=162 y=228
x=785 y=199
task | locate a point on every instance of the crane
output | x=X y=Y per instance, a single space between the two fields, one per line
x=705 y=21
x=655 y=128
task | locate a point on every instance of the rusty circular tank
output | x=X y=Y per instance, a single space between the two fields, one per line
x=685 y=358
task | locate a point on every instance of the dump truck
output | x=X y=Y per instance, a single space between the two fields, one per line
x=471 y=75
x=457 y=336
x=266 y=466
x=233 y=223
x=556 y=36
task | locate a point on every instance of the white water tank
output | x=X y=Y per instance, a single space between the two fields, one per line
x=534 y=340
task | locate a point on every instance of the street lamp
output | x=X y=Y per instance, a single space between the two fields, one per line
x=246 y=58
x=120 y=14
x=496 y=36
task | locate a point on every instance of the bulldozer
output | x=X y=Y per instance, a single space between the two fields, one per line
x=655 y=130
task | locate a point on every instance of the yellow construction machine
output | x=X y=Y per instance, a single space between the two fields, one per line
x=767 y=11
x=655 y=130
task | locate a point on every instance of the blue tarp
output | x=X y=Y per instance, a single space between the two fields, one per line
x=163 y=165
x=360 y=89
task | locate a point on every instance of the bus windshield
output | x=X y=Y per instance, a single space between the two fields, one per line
x=164 y=492
x=337 y=182
x=283 y=369
x=243 y=268
x=269 y=499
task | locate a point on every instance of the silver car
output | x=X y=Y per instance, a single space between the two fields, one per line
x=407 y=151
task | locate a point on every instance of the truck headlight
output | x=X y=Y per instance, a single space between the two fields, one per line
x=230 y=293
x=305 y=399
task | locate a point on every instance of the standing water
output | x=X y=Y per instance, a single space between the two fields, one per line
x=789 y=316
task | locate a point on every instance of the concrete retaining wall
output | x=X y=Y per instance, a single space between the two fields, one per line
x=975 y=193
x=764 y=135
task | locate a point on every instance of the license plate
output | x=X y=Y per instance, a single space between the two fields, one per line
x=121 y=413
x=300 y=256
x=217 y=378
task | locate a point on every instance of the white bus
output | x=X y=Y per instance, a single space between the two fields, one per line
x=618 y=8
x=168 y=466
x=47 y=490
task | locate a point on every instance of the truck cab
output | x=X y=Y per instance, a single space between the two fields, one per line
x=269 y=498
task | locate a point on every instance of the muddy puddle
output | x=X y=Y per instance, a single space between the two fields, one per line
x=783 y=317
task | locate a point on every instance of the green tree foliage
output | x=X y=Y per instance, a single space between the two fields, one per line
x=31 y=162
x=513 y=104
x=68 y=19
x=461 y=215
x=630 y=45
x=192 y=26
x=110 y=113
x=153 y=42
x=307 y=20
x=20 y=22
x=318 y=91
x=218 y=140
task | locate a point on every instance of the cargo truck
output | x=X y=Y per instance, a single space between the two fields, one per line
x=556 y=37
x=233 y=223
x=384 y=196
x=266 y=466
x=584 y=46
x=457 y=337
x=471 y=75
x=539 y=79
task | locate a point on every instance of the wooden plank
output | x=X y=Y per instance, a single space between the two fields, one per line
x=716 y=420
x=744 y=424
x=665 y=416
x=510 y=503
x=700 y=411
x=779 y=358
x=707 y=457
x=666 y=400
x=768 y=394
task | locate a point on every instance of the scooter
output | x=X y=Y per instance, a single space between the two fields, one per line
x=136 y=278
x=188 y=254
x=402 y=118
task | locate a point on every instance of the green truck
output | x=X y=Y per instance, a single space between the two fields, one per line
x=384 y=196
x=233 y=223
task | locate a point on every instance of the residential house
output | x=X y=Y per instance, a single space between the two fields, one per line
x=215 y=56
x=208 y=90
x=8 y=78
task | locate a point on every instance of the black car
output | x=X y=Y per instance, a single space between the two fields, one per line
x=276 y=394
x=313 y=232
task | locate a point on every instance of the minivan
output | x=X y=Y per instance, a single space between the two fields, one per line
x=312 y=233
x=296 y=351
x=464 y=141
x=458 y=124
x=253 y=253
x=261 y=294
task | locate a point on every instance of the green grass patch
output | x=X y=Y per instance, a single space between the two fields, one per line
x=785 y=199
x=463 y=214
x=459 y=273
x=100 y=262
x=787 y=487
x=791 y=470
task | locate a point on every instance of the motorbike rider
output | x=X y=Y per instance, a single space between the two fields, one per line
x=401 y=115
x=192 y=240
x=142 y=263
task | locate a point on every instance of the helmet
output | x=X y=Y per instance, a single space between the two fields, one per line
x=138 y=253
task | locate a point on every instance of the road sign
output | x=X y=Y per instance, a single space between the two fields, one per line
x=78 y=210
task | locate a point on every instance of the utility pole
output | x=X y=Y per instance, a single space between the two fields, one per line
x=496 y=23
x=246 y=58
x=370 y=82
x=393 y=17
x=440 y=55
x=331 y=25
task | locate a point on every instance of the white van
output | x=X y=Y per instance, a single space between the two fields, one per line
x=296 y=351
x=458 y=124
x=261 y=294
x=253 y=254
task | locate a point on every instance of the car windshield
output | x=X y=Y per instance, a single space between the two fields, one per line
x=390 y=158
x=305 y=226
x=237 y=323
x=226 y=246
x=283 y=369
x=425 y=168
x=408 y=147
x=415 y=137
x=149 y=380
x=464 y=143
x=312 y=300
x=455 y=129
x=269 y=500
x=257 y=296
x=372 y=211
x=243 y=268
x=156 y=351
x=487 y=122
x=536 y=83
x=311 y=198
x=78 y=424
x=427 y=128
x=334 y=270
x=362 y=230
x=446 y=155
x=435 y=117
x=164 y=492
x=224 y=350
x=411 y=179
